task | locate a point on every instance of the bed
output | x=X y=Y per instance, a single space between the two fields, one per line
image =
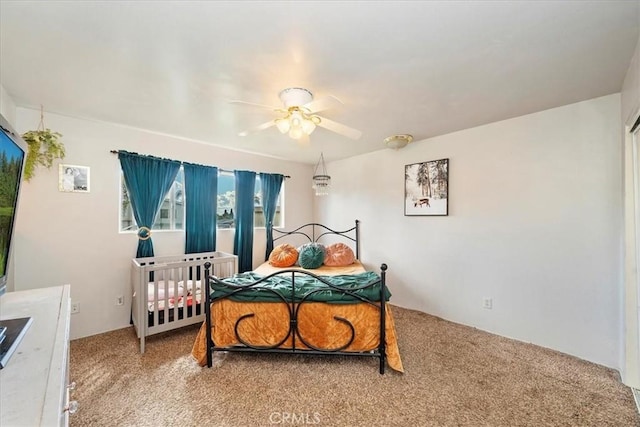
x=328 y=310
x=166 y=290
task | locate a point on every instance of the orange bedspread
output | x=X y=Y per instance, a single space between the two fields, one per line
x=316 y=326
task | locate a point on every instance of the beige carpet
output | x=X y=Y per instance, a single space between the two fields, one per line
x=455 y=376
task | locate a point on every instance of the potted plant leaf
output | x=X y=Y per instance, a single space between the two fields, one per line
x=44 y=147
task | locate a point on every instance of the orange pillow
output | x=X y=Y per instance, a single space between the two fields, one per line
x=283 y=255
x=339 y=255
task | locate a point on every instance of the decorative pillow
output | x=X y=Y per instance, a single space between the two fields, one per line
x=300 y=248
x=312 y=255
x=339 y=255
x=304 y=245
x=283 y=255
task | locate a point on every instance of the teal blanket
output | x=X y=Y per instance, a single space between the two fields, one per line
x=278 y=288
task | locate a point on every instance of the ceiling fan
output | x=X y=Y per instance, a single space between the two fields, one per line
x=298 y=117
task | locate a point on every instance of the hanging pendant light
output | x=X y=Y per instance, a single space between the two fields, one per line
x=321 y=181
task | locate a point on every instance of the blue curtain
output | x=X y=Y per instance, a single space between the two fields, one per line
x=243 y=239
x=271 y=184
x=201 y=190
x=148 y=179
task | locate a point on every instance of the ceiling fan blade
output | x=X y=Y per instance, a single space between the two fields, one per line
x=339 y=128
x=258 y=128
x=322 y=104
x=253 y=104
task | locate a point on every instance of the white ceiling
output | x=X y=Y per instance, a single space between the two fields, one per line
x=424 y=68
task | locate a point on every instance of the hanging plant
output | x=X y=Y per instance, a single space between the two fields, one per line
x=44 y=147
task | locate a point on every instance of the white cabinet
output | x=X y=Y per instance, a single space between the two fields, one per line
x=33 y=385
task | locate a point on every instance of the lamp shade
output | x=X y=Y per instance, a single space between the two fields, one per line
x=296 y=132
x=283 y=125
x=321 y=180
x=308 y=126
x=321 y=184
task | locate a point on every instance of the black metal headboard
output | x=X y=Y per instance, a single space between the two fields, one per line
x=314 y=231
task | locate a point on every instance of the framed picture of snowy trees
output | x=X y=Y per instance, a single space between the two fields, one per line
x=426 y=188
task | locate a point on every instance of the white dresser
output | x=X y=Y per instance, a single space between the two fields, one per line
x=34 y=384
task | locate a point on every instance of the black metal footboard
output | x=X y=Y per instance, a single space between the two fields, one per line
x=294 y=300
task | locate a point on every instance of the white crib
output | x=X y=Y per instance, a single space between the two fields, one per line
x=167 y=292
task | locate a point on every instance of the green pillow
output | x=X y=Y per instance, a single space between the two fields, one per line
x=311 y=256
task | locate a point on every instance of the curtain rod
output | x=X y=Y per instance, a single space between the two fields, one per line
x=220 y=169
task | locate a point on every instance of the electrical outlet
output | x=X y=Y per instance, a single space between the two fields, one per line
x=120 y=300
x=75 y=307
x=487 y=303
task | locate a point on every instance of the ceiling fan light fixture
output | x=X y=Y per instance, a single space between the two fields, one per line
x=296 y=132
x=296 y=119
x=283 y=125
x=397 y=142
x=297 y=123
x=308 y=126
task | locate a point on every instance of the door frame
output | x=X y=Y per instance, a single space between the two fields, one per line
x=631 y=296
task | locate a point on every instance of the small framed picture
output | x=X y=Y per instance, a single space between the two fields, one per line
x=73 y=178
x=426 y=188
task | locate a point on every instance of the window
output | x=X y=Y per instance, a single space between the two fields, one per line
x=227 y=200
x=171 y=214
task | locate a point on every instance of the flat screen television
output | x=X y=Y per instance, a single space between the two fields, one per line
x=13 y=153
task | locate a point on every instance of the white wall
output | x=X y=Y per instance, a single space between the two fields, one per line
x=74 y=238
x=535 y=218
x=7 y=107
